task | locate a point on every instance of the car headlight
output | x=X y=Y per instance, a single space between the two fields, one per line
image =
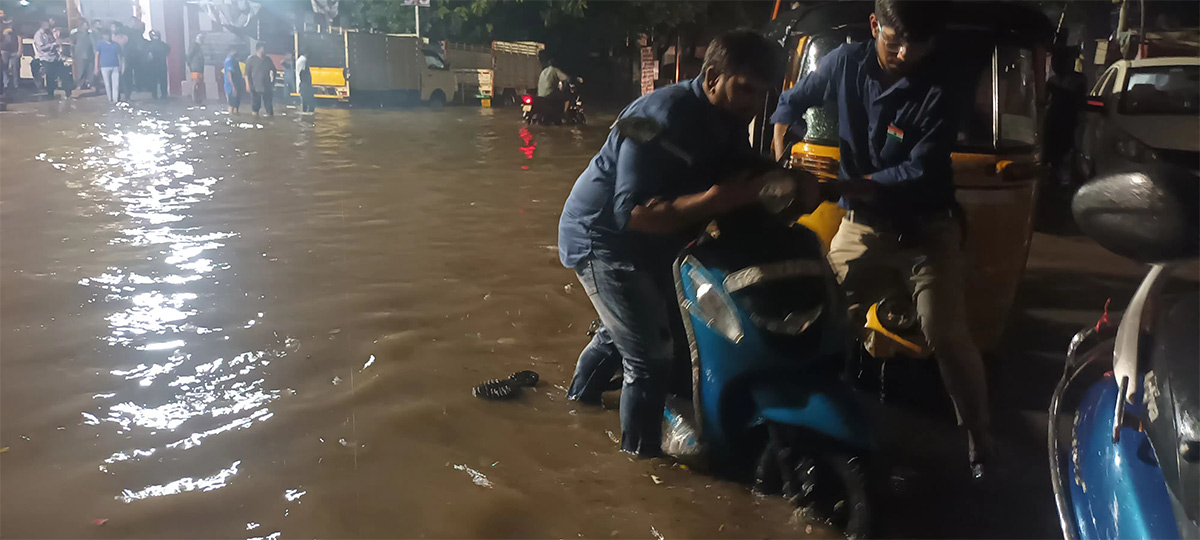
x=1132 y=149
x=714 y=307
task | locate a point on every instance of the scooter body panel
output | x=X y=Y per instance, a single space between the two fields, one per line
x=758 y=377
x=1117 y=489
x=815 y=405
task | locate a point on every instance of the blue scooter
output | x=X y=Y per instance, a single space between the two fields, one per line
x=1126 y=464
x=769 y=338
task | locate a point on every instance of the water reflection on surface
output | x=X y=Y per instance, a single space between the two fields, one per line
x=220 y=328
x=150 y=184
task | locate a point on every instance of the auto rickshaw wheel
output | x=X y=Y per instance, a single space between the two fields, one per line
x=826 y=486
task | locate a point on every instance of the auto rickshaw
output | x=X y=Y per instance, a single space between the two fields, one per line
x=1000 y=49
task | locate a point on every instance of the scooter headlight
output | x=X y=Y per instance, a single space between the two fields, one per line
x=714 y=307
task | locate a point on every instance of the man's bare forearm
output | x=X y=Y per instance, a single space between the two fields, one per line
x=777 y=141
x=666 y=217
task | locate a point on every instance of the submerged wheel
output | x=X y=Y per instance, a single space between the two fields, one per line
x=437 y=100
x=828 y=486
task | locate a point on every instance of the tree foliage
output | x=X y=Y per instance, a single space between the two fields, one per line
x=389 y=16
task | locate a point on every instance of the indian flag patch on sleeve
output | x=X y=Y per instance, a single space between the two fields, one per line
x=895 y=132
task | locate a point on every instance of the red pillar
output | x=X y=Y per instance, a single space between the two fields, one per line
x=173 y=17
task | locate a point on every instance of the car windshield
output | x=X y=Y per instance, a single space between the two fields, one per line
x=1161 y=90
x=433 y=62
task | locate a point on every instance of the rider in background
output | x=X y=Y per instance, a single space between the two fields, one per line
x=549 y=87
x=896 y=130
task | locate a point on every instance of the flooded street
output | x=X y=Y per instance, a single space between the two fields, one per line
x=223 y=328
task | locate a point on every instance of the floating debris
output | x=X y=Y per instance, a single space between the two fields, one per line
x=477 y=477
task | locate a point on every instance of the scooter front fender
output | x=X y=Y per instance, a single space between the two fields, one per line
x=830 y=410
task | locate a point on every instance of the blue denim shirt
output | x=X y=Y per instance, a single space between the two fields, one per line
x=901 y=136
x=625 y=174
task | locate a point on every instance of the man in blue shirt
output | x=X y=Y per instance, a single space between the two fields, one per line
x=637 y=205
x=897 y=131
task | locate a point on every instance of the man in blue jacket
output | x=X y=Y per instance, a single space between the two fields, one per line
x=896 y=128
x=637 y=205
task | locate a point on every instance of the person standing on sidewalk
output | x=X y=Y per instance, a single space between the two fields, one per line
x=304 y=84
x=83 y=53
x=235 y=84
x=120 y=36
x=47 y=53
x=157 y=51
x=260 y=72
x=135 y=51
x=195 y=62
x=5 y=29
x=10 y=56
x=109 y=61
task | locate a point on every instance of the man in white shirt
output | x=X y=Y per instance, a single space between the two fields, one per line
x=46 y=50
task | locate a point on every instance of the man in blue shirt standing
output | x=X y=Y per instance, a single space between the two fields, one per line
x=637 y=205
x=897 y=131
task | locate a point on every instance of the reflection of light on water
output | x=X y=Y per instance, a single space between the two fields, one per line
x=152 y=312
x=293 y=494
x=122 y=456
x=173 y=344
x=182 y=485
x=140 y=176
x=195 y=439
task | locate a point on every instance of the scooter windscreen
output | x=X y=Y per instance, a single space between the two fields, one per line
x=775 y=274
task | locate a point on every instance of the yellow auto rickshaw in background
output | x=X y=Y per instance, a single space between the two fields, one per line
x=1000 y=49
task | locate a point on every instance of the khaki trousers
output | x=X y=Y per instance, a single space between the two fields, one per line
x=931 y=263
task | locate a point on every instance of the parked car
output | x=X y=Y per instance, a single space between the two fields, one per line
x=1142 y=112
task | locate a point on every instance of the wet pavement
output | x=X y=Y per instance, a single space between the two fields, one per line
x=222 y=327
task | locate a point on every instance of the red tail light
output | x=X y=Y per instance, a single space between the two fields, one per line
x=528 y=100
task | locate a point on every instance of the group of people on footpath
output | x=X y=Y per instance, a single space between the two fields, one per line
x=636 y=206
x=115 y=58
x=257 y=79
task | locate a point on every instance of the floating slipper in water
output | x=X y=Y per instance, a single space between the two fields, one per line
x=506 y=388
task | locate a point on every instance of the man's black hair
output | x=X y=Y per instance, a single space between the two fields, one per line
x=260 y=45
x=915 y=20
x=742 y=52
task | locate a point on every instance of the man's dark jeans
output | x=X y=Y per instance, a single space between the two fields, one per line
x=634 y=335
x=158 y=82
x=262 y=100
x=58 y=75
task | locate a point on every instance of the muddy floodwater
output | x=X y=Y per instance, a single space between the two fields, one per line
x=217 y=327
